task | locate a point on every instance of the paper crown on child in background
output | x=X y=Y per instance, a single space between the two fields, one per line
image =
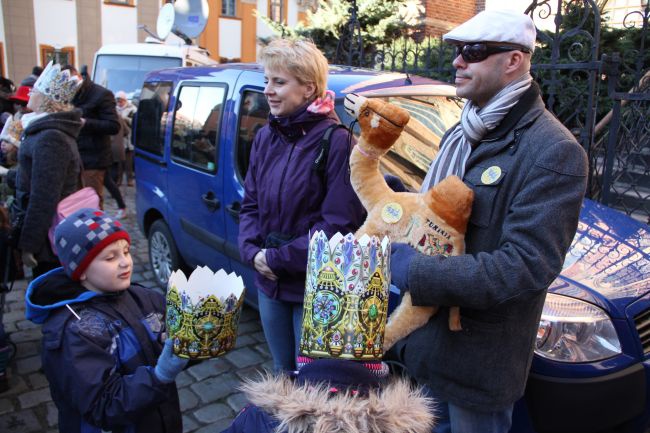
x=346 y=297
x=11 y=131
x=203 y=312
x=58 y=85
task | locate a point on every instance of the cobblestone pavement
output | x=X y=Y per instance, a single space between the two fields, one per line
x=208 y=390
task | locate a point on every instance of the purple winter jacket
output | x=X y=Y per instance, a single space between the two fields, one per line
x=284 y=194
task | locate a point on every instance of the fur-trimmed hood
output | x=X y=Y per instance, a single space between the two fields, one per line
x=396 y=408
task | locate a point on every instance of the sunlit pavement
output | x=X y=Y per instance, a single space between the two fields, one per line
x=208 y=390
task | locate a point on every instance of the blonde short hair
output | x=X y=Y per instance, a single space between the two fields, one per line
x=301 y=58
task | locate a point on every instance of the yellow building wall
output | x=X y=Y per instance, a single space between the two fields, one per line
x=209 y=39
x=249 y=32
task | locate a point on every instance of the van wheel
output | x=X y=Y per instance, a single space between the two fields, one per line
x=163 y=254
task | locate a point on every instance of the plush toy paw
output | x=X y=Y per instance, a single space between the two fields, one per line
x=353 y=104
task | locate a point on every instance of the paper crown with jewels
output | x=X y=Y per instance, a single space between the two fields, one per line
x=203 y=312
x=12 y=131
x=346 y=297
x=58 y=85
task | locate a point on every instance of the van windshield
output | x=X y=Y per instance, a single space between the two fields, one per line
x=126 y=72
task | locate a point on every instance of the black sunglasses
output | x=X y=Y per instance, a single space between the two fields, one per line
x=474 y=53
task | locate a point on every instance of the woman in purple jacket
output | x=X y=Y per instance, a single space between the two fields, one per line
x=285 y=198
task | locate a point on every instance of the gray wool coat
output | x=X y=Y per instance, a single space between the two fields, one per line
x=48 y=171
x=521 y=227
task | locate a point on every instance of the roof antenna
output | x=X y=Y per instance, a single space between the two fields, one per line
x=408 y=81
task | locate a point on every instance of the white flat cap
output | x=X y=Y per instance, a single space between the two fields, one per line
x=496 y=26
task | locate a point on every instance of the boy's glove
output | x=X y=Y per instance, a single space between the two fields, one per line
x=400 y=259
x=3 y=170
x=169 y=365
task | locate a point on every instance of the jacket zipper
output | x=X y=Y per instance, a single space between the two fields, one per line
x=284 y=173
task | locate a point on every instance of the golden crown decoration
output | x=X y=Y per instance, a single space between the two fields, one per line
x=58 y=85
x=12 y=130
x=346 y=297
x=203 y=312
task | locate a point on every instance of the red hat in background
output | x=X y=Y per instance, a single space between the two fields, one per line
x=21 y=95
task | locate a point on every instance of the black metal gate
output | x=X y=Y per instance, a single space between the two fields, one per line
x=579 y=86
x=621 y=155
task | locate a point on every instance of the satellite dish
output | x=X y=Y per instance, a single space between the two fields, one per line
x=191 y=17
x=165 y=21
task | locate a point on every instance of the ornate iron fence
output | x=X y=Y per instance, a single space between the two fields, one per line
x=577 y=84
x=621 y=155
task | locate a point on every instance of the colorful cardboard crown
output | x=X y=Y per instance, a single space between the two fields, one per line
x=203 y=312
x=12 y=130
x=346 y=297
x=58 y=85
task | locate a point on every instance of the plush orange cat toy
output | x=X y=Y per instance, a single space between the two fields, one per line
x=433 y=222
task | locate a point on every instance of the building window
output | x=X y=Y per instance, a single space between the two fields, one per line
x=228 y=8
x=276 y=10
x=63 y=56
x=120 y=2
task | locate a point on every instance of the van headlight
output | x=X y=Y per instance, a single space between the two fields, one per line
x=572 y=330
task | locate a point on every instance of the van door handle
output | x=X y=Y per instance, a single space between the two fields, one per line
x=211 y=201
x=233 y=209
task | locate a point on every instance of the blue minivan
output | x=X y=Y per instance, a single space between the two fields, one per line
x=193 y=134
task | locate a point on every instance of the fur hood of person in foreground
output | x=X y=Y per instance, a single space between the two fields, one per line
x=395 y=407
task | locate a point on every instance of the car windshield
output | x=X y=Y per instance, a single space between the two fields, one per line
x=124 y=72
x=411 y=155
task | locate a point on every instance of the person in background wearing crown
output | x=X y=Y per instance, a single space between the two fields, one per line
x=529 y=177
x=48 y=164
x=285 y=197
x=98 y=122
x=103 y=348
x=12 y=130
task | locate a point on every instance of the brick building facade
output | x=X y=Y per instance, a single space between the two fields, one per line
x=443 y=15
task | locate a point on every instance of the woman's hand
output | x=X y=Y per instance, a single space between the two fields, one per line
x=262 y=267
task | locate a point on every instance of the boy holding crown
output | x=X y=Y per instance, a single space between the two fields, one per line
x=102 y=351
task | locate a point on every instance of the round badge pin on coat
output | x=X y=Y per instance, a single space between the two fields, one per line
x=491 y=175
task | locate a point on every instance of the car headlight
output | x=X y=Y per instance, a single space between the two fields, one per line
x=572 y=330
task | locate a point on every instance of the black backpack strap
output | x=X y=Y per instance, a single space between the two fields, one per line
x=320 y=163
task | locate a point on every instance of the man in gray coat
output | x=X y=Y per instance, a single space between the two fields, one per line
x=529 y=177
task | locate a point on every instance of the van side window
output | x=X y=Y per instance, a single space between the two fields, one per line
x=253 y=114
x=151 y=118
x=196 y=126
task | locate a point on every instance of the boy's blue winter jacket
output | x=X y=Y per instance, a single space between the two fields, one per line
x=98 y=355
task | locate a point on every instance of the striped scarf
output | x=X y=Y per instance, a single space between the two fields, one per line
x=474 y=123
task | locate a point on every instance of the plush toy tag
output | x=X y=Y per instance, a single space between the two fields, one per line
x=392 y=213
x=491 y=175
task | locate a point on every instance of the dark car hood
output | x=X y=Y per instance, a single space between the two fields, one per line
x=608 y=263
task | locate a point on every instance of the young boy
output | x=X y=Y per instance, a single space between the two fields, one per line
x=102 y=351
